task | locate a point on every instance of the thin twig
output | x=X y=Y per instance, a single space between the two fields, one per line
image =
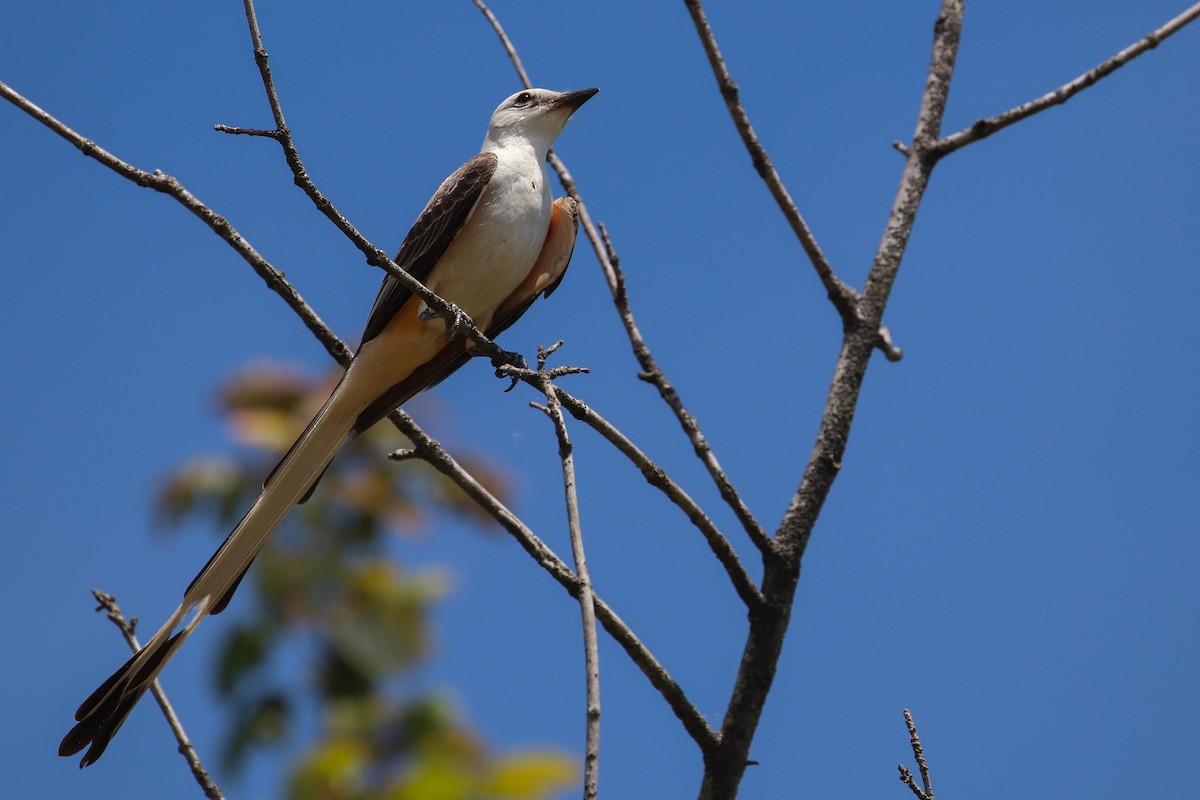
x=919 y=753
x=650 y=369
x=506 y=42
x=843 y=297
x=433 y=452
x=454 y=316
x=651 y=373
x=591 y=649
x=657 y=477
x=108 y=604
x=907 y=779
x=986 y=127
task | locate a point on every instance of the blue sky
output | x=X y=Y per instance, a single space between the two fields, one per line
x=1010 y=550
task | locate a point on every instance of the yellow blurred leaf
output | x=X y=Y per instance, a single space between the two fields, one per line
x=334 y=770
x=435 y=779
x=530 y=775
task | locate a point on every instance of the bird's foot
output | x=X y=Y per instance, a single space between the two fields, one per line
x=453 y=321
x=510 y=364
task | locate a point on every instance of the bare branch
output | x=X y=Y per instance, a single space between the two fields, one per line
x=161 y=182
x=654 y=474
x=591 y=649
x=986 y=127
x=653 y=374
x=756 y=672
x=693 y=721
x=506 y=42
x=657 y=477
x=843 y=297
x=230 y=129
x=851 y=367
x=906 y=777
x=108 y=604
x=918 y=753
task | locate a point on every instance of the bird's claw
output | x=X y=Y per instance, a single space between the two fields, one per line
x=512 y=359
x=453 y=321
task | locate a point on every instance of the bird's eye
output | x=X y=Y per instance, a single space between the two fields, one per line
x=523 y=99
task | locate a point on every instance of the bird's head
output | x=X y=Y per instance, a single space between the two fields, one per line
x=536 y=116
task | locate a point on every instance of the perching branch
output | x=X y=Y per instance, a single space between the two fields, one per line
x=986 y=127
x=108 y=604
x=651 y=372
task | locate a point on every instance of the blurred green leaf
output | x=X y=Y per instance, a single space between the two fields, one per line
x=243 y=650
x=260 y=721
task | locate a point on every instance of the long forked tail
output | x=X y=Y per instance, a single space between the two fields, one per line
x=103 y=712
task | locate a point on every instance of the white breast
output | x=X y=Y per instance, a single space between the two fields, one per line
x=502 y=240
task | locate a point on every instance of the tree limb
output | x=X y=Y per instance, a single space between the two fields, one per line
x=843 y=297
x=756 y=672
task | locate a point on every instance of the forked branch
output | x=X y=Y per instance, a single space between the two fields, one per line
x=984 y=128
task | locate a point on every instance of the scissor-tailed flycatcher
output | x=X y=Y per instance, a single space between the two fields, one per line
x=490 y=241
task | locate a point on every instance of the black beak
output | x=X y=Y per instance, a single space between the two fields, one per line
x=573 y=100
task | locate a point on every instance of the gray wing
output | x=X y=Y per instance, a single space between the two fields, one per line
x=448 y=210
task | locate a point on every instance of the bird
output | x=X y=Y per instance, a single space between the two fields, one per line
x=491 y=240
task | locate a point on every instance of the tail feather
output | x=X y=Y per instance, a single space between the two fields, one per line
x=101 y=715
